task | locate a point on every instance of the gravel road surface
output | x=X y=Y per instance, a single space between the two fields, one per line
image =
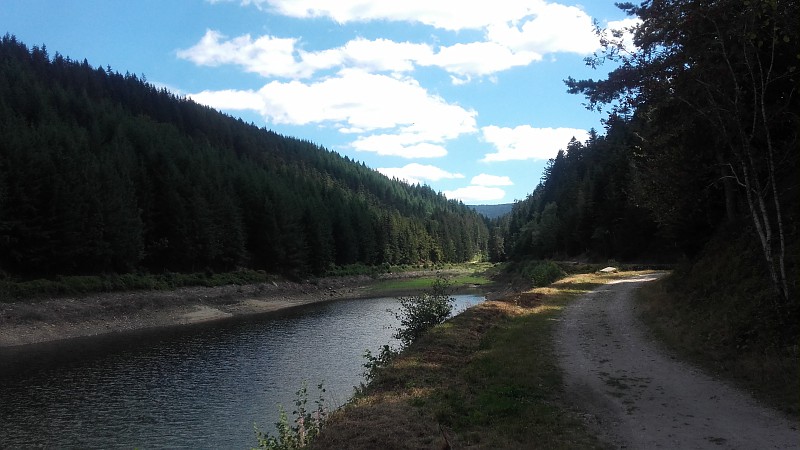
x=638 y=396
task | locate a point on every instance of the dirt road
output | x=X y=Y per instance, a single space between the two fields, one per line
x=637 y=396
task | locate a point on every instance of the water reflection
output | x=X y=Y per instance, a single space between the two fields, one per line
x=202 y=386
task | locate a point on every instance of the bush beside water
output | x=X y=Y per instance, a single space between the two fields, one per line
x=417 y=314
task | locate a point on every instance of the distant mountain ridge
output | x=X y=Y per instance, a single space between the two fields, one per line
x=102 y=172
x=493 y=211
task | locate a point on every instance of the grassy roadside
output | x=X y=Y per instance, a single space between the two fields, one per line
x=486 y=379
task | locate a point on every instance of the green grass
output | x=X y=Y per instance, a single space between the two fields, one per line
x=459 y=276
x=420 y=283
x=488 y=378
x=403 y=284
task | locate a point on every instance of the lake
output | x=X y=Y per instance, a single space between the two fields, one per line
x=198 y=386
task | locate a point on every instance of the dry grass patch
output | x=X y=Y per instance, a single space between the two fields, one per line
x=487 y=378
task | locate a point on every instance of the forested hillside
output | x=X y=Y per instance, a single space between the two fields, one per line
x=102 y=172
x=586 y=206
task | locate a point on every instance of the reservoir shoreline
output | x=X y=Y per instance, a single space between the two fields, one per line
x=37 y=321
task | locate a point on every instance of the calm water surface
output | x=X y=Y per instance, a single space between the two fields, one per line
x=202 y=386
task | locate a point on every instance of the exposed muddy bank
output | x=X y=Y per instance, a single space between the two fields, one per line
x=50 y=319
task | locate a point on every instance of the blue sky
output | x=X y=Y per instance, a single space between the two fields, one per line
x=465 y=96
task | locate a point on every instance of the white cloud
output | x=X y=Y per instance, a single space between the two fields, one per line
x=479 y=58
x=414 y=173
x=553 y=28
x=525 y=142
x=372 y=94
x=516 y=33
x=414 y=122
x=369 y=102
x=444 y=14
x=272 y=57
x=406 y=145
x=471 y=194
x=268 y=56
x=482 y=188
x=383 y=54
x=230 y=99
x=491 y=180
x=624 y=28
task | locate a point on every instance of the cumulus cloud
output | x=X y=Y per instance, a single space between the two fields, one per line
x=403 y=117
x=268 y=56
x=516 y=33
x=272 y=57
x=366 y=87
x=403 y=144
x=444 y=14
x=491 y=180
x=482 y=188
x=479 y=58
x=526 y=142
x=552 y=28
x=472 y=194
x=622 y=30
x=415 y=173
x=231 y=99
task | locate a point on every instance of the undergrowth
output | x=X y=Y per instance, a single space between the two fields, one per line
x=535 y=272
x=722 y=313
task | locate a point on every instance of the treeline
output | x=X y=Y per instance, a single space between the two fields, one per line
x=585 y=206
x=102 y=172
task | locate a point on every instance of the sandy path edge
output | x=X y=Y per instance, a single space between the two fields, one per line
x=45 y=320
x=635 y=395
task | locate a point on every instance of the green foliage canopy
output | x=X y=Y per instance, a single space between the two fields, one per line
x=102 y=172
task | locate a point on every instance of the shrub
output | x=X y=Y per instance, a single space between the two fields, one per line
x=375 y=363
x=307 y=423
x=545 y=272
x=419 y=313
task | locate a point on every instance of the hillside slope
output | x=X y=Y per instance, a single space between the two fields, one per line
x=102 y=172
